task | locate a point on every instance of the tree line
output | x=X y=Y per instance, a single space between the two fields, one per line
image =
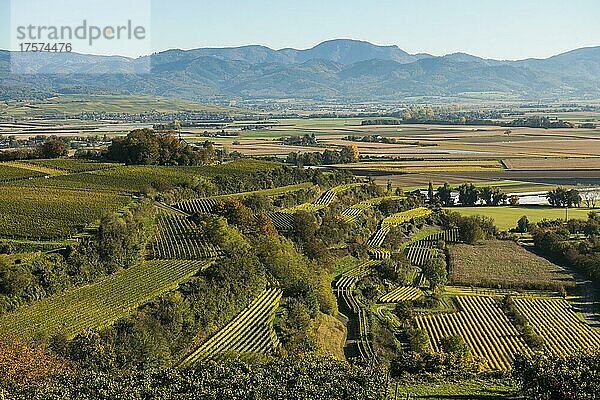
x=347 y=155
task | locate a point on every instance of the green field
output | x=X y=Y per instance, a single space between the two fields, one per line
x=100 y=304
x=506 y=217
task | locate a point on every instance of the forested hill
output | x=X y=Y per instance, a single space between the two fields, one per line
x=344 y=70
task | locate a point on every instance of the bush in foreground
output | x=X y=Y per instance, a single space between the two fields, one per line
x=298 y=378
x=546 y=377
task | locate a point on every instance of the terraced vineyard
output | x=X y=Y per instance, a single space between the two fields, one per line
x=394 y=220
x=137 y=178
x=206 y=205
x=178 y=238
x=196 y=205
x=561 y=327
x=379 y=237
x=379 y=254
x=405 y=216
x=403 y=293
x=344 y=287
x=250 y=332
x=361 y=270
x=418 y=255
x=351 y=213
x=323 y=201
x=101 y=303
x=421 y=251
x=486 y=329
x=281 y=220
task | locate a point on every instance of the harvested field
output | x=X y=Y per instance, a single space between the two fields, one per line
x=503 y=264
x=552 y=163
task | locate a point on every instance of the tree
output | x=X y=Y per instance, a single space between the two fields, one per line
x=468 y=194
x=573 y=198
x=54 y=148
x=492 y=196
x=235 y=212
x=14 y=279
x=590 y=197
x=455 y=344
x=514 y=200
x=445 y=195
x=147 y=147
x=523 y=224
x=470 y=231
x=499 y=197
x=486 y=195
x=430 y=193
x=355 y=152
x=436 y=273
x=561 y=197
x=303 y=226
x=404 y=312
x=546 y=376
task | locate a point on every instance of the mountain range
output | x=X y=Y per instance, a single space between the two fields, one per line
x=337 y=70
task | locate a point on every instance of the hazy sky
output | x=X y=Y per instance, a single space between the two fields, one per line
x=504 y=29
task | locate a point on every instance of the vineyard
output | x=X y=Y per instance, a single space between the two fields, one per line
x=9 y=173
x=379 y=237
x=403 y=293
x=281 y=220
x=206 y=205
x=406 y=216
x=101 y=303
x=323 y=201
x=422 y=250
x=486 y=329
x=196 y=205
x=51 y=213
x=249 y=332
x=125 y=179
x=178 y=238
x=561 y=327
x=71 y=165
x=350 y=214
x=394 y=220
x=39 y=169
x=134 y=179
x=344 y=288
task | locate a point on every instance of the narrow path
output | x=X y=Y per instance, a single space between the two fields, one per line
x=587 y=303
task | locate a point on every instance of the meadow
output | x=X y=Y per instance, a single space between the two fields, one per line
x=506 y=217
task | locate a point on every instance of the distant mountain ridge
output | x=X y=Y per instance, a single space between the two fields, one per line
x=341 y=69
